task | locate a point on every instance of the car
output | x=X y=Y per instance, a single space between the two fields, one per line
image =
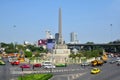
x=85 y=64
x=9 y=59
x=61 y=65
x=95 y=70
x=25 y=66
x=117 y=60
x=112 y=61
x=37 y=65
x=118 y=63
x=46 y=63
x=2 y=62
x=0 y=58
x=49 y=66
x=15 y=62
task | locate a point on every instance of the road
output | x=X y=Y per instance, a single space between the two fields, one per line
x=71 y=72
x=5 y=71
x=108 y=72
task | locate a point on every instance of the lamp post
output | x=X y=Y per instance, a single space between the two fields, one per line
x=0 y=45
x=52 y=59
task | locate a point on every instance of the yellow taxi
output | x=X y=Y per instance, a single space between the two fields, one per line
x=95 y=70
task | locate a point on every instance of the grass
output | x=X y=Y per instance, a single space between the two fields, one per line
x=35 y=77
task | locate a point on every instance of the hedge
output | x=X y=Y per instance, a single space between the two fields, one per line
x=35 y=77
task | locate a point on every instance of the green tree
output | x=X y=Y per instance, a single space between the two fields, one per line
x=73 y=56
x=28 y=54
x=10 y=48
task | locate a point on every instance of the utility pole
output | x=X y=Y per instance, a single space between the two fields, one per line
x=0 y=45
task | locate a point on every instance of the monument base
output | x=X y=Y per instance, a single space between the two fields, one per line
x=61 y=46
x=60 y=55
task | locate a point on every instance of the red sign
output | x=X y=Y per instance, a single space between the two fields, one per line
x=42 y=42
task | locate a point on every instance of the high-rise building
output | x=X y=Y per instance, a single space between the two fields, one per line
x=48 y=35
x=73 y=37
x=56 y=38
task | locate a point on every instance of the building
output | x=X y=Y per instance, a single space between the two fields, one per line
x=56 y=38
x=73 y=37
x=48 y=35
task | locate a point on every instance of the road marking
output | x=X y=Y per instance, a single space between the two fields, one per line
x=70 y=76
x=44 y=71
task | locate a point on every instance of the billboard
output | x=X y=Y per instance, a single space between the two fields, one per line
x=42 y=42
x=50 y=44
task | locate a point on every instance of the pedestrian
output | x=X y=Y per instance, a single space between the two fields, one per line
x=33 y=67
x=22 y=69
x=29 y=61
x=65 y=64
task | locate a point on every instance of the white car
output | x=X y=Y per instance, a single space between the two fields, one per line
x=49 y=66
x=85 y=64
x=10 y=59
x=46 y=63
x=118 y=60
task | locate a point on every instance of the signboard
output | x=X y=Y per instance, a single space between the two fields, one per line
x=42 y=42
x=50 y=44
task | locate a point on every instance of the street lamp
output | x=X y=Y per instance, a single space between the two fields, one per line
x=52 y=59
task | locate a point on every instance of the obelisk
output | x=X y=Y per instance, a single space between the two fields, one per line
x=61 y=51
x=60 y=39
x=60 y=44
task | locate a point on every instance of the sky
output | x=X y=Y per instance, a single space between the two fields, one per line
x=95 y=21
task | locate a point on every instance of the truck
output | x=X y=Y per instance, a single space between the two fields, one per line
x=20 y=57
x=97 y=63
x=104 y=57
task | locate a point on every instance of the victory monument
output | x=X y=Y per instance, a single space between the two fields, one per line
x=60 y=51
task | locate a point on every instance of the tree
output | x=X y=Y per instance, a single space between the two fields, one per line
x=10 y=48
x=90 y=43
x=28 y=54
x=73 y=56
x=79 y=55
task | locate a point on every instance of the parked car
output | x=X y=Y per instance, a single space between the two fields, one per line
x=25 y=66
x=49 y=66
x=37 y=65
x=15 y=62
x=95 y=70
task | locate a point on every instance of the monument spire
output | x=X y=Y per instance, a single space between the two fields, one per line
x=60 y=40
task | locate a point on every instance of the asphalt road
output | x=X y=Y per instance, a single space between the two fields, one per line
x=5 y=71
x=108 y=72
x=71 y=72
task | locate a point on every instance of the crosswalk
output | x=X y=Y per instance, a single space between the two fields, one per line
x=44 y=71
x=67 y=76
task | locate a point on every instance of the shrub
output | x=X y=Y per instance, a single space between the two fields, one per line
x=35 y=77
